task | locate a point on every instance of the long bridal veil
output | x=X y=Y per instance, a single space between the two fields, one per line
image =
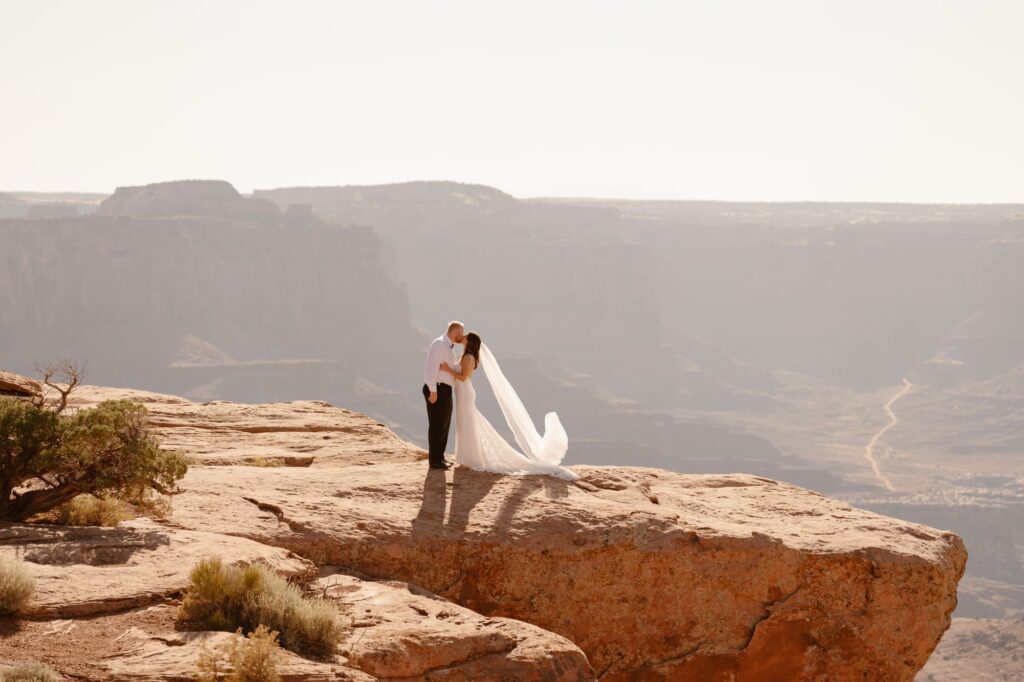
x=543 y=452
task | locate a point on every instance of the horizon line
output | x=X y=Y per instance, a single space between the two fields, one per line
x=541 y=197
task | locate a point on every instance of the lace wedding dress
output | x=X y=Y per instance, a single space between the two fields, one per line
x=479 y=446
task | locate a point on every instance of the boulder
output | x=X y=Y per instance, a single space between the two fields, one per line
x=401 y=631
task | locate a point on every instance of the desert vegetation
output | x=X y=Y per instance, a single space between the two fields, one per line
x=16 y=586
x=49 y=457
x=89 y=510
x=28 y=671
x=224 y=597
x=249 y=659
x=265 y=462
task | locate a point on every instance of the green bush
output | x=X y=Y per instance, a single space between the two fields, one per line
x=47 y=458
x=16 y=586
x=228 y=597
x=28 y=671
x=253 y=659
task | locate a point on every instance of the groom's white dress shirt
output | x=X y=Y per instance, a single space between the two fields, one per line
x=441 y=350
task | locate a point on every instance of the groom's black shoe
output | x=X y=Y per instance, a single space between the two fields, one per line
x=445 y=465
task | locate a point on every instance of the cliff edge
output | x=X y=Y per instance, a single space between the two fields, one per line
x=652 y=575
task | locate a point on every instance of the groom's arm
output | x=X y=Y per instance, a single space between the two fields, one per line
x=430 y=370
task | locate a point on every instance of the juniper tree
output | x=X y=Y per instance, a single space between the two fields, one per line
x=48 y=457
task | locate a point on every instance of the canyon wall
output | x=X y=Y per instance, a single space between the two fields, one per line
x=190 y=287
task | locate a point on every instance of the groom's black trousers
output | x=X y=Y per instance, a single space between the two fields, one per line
x=439 y=418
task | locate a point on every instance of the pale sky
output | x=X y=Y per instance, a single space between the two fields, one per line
x=753 y=100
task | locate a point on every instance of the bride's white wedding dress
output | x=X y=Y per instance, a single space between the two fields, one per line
x=479 y=446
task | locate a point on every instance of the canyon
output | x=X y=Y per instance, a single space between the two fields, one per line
x=697 y=337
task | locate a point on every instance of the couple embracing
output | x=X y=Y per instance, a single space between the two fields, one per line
x=477 y=444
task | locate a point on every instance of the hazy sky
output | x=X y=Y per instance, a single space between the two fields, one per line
x=823 y=100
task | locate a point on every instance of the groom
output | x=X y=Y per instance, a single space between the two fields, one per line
x=437 y=390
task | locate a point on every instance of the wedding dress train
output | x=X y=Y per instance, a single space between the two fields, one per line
x=479 y=446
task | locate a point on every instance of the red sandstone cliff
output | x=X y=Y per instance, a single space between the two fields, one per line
x=629 y=573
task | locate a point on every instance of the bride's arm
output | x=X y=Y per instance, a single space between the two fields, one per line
x=466 y=369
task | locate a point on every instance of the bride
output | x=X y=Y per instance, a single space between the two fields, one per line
x=479 y=446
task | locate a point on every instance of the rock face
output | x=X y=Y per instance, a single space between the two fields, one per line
x=172 y=656
x=398 y=631
x=402 y=631
x=201 y=294
x=88 y=570
x=17 y=386
x=652 y=575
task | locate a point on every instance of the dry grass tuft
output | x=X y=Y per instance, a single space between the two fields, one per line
x=265 y=462
x=253 y=659
x=86 y=510
x=16 y=586
x=28 y=671
x=144 y=502
x=228 y=597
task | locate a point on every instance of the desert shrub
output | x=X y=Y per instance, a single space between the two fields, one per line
x=28 y=671
x=217 y=594
x=307 y=626
x=228 y=597
x=16 y=585
x=87 y=510
x=48 y=458
x=253 y=659
x=141 y=500
x=265 y=462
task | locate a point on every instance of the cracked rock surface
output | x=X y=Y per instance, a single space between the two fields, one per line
x=653 y=575
x=83 y=571
x=724 y=575
x=402 y=631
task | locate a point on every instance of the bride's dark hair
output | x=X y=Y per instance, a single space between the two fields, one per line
x=473 y=347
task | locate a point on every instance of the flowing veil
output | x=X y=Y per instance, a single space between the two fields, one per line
x=547 y=450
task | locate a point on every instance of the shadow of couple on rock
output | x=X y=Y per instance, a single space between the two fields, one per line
x=469 y=488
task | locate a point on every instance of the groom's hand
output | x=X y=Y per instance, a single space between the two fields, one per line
x=433 y=398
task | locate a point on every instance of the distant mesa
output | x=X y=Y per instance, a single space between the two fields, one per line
x=420 y=192
x=188 y=198
x=48 y=204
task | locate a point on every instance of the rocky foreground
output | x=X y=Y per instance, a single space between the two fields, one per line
x=626 y=574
